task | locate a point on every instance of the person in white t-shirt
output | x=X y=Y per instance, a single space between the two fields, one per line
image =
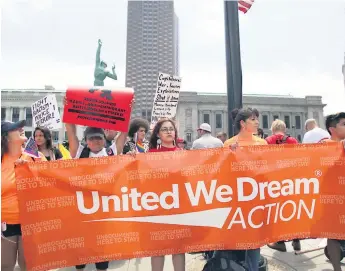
x=314 y=133
x=95 y=139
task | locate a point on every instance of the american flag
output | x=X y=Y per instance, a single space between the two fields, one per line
x=245 y=5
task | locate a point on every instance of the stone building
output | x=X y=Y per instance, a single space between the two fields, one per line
x=16 y=105
x=194 y=108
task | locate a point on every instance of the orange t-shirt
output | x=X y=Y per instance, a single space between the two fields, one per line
x=9 y=197
x=253 y=141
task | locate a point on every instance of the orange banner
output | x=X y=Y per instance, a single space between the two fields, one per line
x=91 y=210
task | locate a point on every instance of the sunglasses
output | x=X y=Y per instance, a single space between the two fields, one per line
x=95 y=138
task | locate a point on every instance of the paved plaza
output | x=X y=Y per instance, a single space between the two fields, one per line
x=288 y=261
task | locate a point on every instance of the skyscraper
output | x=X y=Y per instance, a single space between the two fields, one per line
x=152 y=47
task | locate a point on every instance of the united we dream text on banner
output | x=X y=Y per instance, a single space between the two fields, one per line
x=91 y=210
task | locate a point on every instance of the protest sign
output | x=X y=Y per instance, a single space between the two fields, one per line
x=99 y=107
x=97 y=209
x=31 y=148
x=167 y=96
x=45 y=113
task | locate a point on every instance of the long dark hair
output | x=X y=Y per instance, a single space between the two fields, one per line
x=47 y=136
x=155 y=132
x=4 y=145
x=243 y=114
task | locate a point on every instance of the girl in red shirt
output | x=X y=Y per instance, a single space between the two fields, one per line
x=164 y=138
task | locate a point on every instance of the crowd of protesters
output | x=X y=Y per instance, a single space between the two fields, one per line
x=98 y=142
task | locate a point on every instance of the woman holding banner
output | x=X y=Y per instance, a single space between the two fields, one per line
x=137 y=132
x=163 y=138
x=247 y=123
x=43 y=139
x=12 y=140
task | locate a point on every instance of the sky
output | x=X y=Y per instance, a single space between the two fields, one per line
x=293 y=47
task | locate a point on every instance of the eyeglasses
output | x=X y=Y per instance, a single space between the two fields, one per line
x=167 y=130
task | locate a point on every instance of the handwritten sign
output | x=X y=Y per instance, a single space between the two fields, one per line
x=45 y=113
x=99 y=107
x=167 y=96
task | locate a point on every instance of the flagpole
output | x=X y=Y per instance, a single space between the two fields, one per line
x=233 y=60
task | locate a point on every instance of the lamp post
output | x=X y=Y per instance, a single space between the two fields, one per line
x=233 y=60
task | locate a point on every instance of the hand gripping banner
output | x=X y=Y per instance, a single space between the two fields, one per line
x=91 y=210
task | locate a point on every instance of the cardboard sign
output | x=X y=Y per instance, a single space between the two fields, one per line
x=31 y=148
x=45 y=113
x=167 y=96
x=99 y=107
x=98 y=209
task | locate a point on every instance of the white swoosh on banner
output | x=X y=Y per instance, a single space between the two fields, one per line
x=210 y=218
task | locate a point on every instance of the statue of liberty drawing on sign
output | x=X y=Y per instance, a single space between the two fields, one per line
x=100 y=73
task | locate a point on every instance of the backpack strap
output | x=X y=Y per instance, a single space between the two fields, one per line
x=285 y=139
x=110 y=151
x=85 y=153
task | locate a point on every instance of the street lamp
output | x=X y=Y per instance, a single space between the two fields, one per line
x=233 y=60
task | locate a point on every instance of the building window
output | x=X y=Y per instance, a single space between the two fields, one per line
x=28 y=116
x=143 y=114
x=28 y=134
x=15 y=114
x=298 y=122
x=287 y=121
x=55 y=136
x=207 y=118
x=189 y=137
x=3 y=113
x=264 y=121
x=275 y=117
x=219 y=121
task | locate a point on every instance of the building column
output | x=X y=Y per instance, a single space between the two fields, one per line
x=8 y=113
x=310 y=112
x=213 y=121
x=22 y=115
x=224 y=122
x=321 y=119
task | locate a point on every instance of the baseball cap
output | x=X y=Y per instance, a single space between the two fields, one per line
x=93 y=132
x=206 y=127
x=8 y=126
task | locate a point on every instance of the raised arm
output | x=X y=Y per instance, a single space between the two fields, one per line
x=98 y=53
x=122 y=137
x=112 y=75
x=73 y=140
x=121 y=141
